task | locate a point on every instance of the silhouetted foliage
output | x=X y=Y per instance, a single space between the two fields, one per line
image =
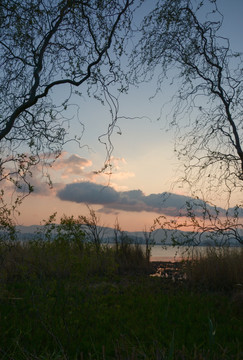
x=181 y=41
x=45 y=45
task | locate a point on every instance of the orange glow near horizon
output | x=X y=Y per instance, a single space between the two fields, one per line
x=42 y=208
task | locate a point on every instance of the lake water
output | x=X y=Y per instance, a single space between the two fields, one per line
x=170 y=253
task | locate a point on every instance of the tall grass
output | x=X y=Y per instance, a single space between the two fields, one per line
x=217 y=268
x=62 y=259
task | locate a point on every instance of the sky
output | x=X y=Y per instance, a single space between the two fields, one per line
x=144 y=166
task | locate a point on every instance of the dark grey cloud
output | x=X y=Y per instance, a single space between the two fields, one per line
x=133 y=200
x=87 y=192
x=236 y=211
x=171 y=201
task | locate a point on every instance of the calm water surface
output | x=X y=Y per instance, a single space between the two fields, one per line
x=170 y=253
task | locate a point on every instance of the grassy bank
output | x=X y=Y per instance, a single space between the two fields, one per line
x=71 y=300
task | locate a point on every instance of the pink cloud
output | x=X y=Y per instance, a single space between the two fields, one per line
x=71 y=165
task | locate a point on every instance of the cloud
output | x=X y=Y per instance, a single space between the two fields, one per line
x=236 y=211
x=65 y=166
x=122 y=175
x=117 y=162
x=87 y=192
x=133 y=200
x=74 y=164
x=40 y=186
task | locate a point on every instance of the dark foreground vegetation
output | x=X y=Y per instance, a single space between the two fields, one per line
x=68 y=299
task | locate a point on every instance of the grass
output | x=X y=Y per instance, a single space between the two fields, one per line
x=216 y=269
x=69 y=300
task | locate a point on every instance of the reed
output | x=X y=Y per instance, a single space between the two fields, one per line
x=64 y=300
x=218 y=268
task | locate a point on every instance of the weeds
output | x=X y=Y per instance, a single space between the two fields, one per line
x=218 y=268
x=61 y=299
